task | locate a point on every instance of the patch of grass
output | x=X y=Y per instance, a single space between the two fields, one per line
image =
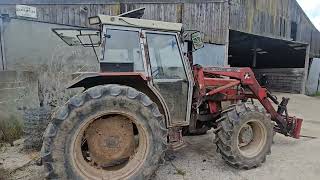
x=10 y=129
x=181 y=172
x=178 y=170
x=317 y=94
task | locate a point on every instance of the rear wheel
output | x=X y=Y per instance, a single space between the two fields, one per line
x=244 y=137
x=108 y=132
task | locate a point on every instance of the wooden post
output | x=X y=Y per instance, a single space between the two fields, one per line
x=254 y=60
x=2 y=51
x=306 y=71
x=318 y=86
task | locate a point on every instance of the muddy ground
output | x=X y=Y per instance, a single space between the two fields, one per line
x=290 y=159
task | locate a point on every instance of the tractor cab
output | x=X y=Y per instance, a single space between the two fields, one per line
x=153 y=49
x=150 y=49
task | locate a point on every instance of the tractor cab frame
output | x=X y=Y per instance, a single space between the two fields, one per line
x=144 y=54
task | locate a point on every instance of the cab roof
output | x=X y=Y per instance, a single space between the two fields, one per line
x=134 y=22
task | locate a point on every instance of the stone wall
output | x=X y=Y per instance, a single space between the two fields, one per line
x=38 y=67
x=18 y=91
x=283 y=79
x=32 y=46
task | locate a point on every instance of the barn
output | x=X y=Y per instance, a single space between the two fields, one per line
x=274 y=37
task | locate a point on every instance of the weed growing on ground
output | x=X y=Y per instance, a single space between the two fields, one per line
x=10 y=129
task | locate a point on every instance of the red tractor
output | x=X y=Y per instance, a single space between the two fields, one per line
x=146 y=96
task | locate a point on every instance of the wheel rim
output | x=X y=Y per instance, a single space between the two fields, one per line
x=252 y=137
x=112 y=155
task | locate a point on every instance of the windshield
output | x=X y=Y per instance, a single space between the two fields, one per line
x=165 y=57
x=122 y=51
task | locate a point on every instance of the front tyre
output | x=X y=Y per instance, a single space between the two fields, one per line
x=107 y=132
x=244 y=137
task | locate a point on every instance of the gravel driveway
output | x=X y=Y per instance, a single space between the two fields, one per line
x=290 y=159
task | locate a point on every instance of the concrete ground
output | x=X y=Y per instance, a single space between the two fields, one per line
x=290 y=158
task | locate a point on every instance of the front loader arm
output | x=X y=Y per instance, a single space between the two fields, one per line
x=289 y=126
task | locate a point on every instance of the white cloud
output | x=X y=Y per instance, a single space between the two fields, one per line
x=309 y=5
x=316 y=21
x=312 y=9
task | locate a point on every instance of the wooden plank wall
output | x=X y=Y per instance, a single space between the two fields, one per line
x=211 y=17
x=273 y=18
x=262 y=17
x=76 y=15
x=208 y=17
x=283 y=79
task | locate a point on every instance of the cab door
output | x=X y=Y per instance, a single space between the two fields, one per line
x=169 y=75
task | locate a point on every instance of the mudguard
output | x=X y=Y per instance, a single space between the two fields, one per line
x=133 y=79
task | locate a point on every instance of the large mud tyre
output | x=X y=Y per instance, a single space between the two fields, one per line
x=56 y=151
x=227 y=136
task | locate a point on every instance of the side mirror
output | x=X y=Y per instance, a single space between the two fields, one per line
x=197 y=40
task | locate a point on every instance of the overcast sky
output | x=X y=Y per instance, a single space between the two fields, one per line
x=312 y=9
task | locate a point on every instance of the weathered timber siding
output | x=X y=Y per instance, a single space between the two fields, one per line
x=262 y=17
x=274 y=18
x=66 y=14
x=210 y=17
x=170 y=12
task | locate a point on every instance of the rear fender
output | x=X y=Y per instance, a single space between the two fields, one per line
x=135 y=80
x=88 y=79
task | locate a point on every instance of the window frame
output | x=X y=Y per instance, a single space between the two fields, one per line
x=122 y=28
x=180 y=54
x=186 y=67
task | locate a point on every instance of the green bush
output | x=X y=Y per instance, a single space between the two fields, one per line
x=317 y=94
x=10 y=129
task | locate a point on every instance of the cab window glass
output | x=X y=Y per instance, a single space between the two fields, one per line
x=165 y=57
x=122 y=48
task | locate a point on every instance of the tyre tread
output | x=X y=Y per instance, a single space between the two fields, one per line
x=231 y=118
x=96 y=93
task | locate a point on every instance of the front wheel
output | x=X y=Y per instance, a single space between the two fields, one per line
x=244 y=137
x=107 y=132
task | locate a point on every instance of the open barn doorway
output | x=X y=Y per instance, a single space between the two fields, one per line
x=281 y=61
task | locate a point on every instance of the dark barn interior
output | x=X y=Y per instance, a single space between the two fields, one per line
x=260 y=52
x=281 y=61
